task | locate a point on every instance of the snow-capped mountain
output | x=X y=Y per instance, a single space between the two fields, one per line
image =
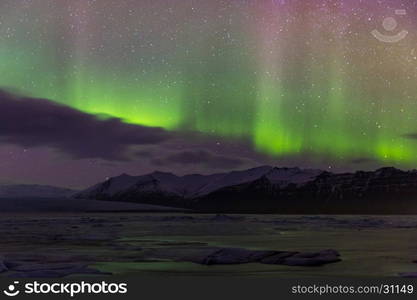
x=192 y=186
x=33 y=191
x=268 y=189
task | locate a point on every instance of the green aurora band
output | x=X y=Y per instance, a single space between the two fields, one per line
x=292 y=78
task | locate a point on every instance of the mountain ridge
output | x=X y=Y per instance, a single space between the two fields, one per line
x=197 y=184
x=267 y=189
x=34 y=190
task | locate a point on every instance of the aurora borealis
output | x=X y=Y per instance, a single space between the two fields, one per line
x=289 y=78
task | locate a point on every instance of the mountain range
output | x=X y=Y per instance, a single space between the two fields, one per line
x=11 y=191
x=269 y=189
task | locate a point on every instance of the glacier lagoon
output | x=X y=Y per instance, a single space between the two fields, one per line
x=79 y=244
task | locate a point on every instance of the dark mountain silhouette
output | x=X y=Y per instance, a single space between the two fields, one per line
x=34 y=191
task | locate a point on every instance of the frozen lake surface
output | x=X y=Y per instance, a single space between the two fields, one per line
x=155 y=243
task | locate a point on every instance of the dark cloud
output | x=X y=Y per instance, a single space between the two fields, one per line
x=411 y=136
x=30 y=122
x=143 y=153
x=200 y=157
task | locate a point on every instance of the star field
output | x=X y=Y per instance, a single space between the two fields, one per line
x=293 y=78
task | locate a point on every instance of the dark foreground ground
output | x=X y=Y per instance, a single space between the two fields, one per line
x=165 y=244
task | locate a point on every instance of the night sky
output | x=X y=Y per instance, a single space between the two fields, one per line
x=95 y=88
